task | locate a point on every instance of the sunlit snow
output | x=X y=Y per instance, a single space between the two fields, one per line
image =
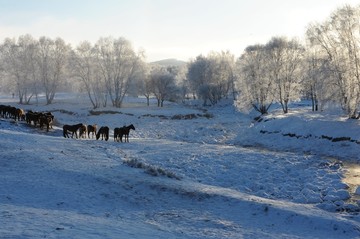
x=219 y=174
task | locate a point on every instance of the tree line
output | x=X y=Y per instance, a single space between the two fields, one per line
x=325 y=69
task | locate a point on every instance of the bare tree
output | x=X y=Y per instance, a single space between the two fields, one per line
x=254 y=83
x=284 y=65
x=18 y=63
x=212 y=77
x=222 y=71
x=145 y=86
x=84 y=67
x=52 y=59
x=197 y=75
x=182 y=82
x=339 y=39
x=318 y=83
x=163 y=85
x=118 y=63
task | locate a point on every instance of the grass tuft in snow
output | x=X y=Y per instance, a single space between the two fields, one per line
x=65 y=112
x=150 y=169
x=92 y=112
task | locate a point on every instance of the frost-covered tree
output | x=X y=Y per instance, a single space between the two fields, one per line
x=212 y=77
x=141 y=73
x=118 y=65
x=223 y=65
x=339 y=39
x=284 y=66
x=318 y=82
x=254 y=83
x=52 y=59
x=144 y=84
x=163 y=84
x=18 y=61
x=83 y=66
x=269 y=73
x=146 y=88
x=197 y=75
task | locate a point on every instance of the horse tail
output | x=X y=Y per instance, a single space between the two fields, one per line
x=95 y=128
x=64 y=131
x=106 y=133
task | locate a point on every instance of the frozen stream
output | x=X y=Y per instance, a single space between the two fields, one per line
x=352 y=178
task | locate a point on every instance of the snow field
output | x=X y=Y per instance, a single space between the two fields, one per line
x=194 y=179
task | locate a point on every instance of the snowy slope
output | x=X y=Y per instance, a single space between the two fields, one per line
x=177 y=178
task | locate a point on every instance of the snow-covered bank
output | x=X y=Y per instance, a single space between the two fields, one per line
x=206 y=185
x=325 y=133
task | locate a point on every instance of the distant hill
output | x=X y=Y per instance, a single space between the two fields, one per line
x=169 y=62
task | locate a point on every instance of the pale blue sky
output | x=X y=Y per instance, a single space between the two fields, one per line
x=181 y=29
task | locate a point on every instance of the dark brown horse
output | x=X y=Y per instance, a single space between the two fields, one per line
x=19 y=114
x=123 y=131
x=82 y=131
x=46 y=119
x=72 y=128
x=32 y=117
x=103 y=132
x=91 y=129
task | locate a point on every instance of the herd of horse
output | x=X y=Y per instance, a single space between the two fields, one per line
x=46 y=119
x=81 y=131
x=40 y=119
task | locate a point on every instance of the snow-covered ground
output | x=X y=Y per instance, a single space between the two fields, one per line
x=219 y=174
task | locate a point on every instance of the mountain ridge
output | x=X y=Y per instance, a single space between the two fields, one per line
x=169 y=62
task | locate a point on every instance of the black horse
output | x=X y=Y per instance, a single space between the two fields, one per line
x=103 y=132
x=72 y=128
x=123 y=131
